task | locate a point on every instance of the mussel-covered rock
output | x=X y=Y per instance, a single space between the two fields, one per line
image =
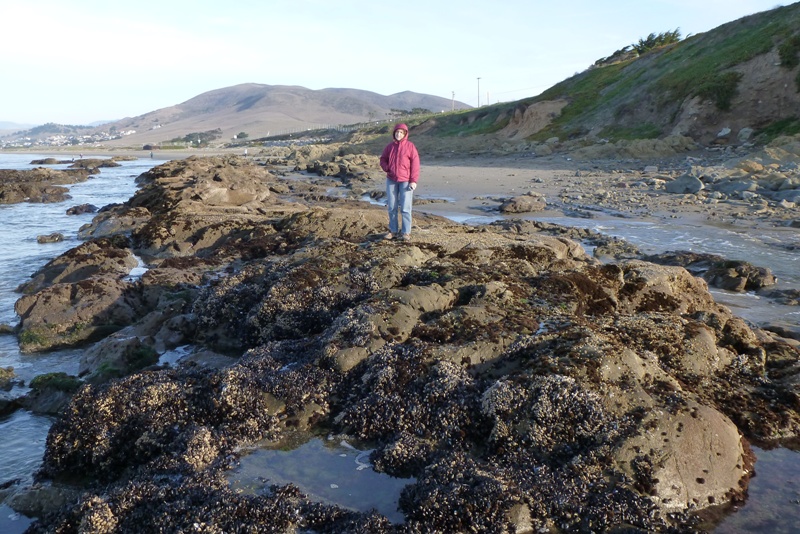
x=523 y=384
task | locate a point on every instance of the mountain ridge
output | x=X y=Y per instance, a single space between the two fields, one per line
x=305 y=105
x=260 y=110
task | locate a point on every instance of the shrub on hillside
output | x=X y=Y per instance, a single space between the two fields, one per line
x=789 y=53
x=721 y=88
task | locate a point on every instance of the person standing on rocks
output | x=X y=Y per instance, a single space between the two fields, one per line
x=400 y=162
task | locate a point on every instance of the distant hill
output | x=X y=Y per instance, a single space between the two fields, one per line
x=260 y=110
x=6 y=126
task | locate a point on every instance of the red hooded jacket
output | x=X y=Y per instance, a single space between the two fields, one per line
x=400 y=159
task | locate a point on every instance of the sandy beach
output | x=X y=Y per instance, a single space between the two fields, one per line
x=477 y=186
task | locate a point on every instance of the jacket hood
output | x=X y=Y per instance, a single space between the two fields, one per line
x=400 y=126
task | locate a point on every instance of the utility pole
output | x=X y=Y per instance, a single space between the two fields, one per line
x=479 y=91
x=453 y=104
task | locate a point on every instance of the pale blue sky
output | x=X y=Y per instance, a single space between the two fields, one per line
x=78 y=61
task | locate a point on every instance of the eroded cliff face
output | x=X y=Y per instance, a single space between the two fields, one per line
x=523 y=383
x=765 y=94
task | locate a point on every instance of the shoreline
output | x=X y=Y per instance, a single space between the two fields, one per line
x=159 y=155
x=578 y=194
x=472 y=183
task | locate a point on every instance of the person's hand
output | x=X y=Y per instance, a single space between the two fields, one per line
x=412 y=185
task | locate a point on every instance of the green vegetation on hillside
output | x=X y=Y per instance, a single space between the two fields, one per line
x=699 y=67
x=721 y=88
x=639 y=95
x=400 y=113
x=486 y=120
x=787 y=126
x=789 y=52
x=586 y=94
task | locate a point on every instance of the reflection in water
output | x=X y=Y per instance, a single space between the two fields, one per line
x=11 y=522
x=326 y=471
x=773 y=502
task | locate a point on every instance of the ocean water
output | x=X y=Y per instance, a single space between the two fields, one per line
x=774 y=496
x=21 y=254
x=22 y=434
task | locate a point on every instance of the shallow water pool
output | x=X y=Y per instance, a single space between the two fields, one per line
x=327 y=471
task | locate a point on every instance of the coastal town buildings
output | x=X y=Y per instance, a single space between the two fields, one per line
x=60 y=140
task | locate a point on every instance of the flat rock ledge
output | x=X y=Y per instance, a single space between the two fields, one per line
x=524 y=385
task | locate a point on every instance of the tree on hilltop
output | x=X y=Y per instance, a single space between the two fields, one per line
x=635 y=50
x=657 y=41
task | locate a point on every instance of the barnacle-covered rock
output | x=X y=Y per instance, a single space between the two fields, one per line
x=525 y=385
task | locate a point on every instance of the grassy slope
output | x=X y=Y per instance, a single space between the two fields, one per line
x=640 y=98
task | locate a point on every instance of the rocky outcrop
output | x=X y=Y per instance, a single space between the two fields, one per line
x=733 y=275
x=81 y=209
x=7 y=378
x=771 y=175
x=114 y=221
x=763 y=187
x=55 y=237
x=685 y=184
x=526 y=203
x=37 y=185
x=106 y=257
x=50 y=393
x=70 y=314
x=94 y=163
x=524 y=384
x=78 y=297
x=645 y=149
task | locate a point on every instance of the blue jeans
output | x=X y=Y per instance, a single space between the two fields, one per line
x=399 y=198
